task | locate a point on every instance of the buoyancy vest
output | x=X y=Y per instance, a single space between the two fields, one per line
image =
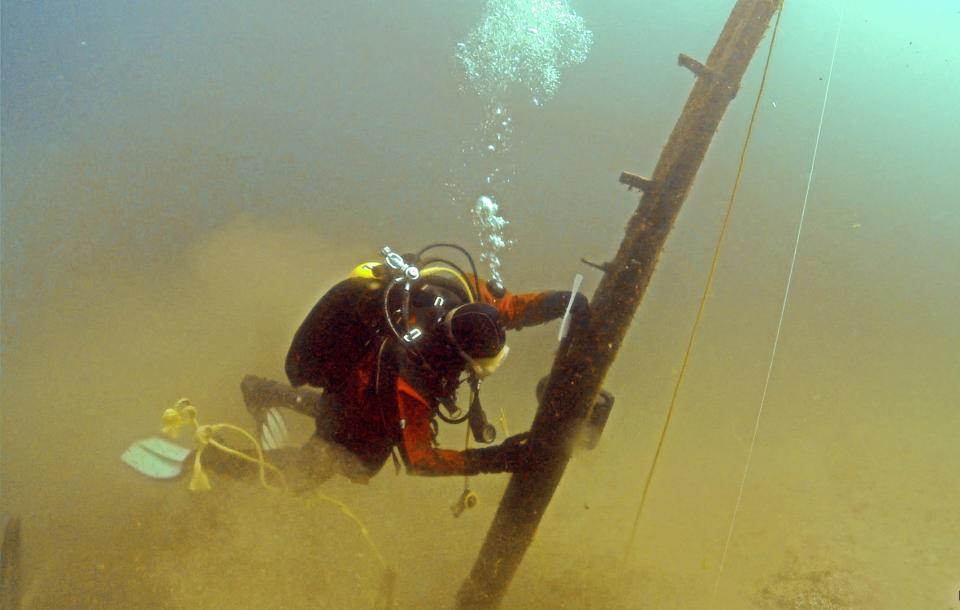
x=343 y=327
x=349 y=322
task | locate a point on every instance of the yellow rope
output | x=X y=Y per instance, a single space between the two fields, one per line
x=703 y=297
x=384 y=598
x=259 y=460
x=184 y=413
x=466 y=446
x=360 y=525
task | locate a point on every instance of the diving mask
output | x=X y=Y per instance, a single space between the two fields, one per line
x=475 y=330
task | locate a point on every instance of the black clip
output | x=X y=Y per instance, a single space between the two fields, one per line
x=482 y=430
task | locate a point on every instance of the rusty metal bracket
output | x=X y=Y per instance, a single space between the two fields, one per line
x=694 y=66
x=605 y=267
x=702 y=70
x=634 y=181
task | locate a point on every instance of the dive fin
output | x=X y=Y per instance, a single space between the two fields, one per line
x=156 y=457
x=273 y=430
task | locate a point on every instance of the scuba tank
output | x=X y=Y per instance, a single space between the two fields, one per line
x=339 y=331
x=404 y=300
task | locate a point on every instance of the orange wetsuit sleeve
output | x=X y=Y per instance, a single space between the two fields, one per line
x=521 y=310
x=421 y=457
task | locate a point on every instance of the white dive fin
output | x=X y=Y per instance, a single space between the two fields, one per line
x=273 y=430
x=156 y=457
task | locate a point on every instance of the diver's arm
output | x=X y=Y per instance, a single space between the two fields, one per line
x=417 y=449
x=532 y=308
x=423 y=459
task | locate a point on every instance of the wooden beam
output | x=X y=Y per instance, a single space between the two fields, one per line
x=11 y=578
x=584 y=358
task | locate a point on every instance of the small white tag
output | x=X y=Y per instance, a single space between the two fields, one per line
x=565 y=323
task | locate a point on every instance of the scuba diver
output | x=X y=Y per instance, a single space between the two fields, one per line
x=380 y=358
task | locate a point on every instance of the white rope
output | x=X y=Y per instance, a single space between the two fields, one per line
x=783 y=309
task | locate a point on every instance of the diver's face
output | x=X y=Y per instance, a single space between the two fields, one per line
x=484 y=367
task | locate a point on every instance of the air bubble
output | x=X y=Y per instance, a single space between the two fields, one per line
x=486 y=215
x=517 y=42
x=524 y=41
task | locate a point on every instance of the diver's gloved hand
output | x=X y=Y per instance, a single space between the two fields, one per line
x=554 y=305
x=510 y=456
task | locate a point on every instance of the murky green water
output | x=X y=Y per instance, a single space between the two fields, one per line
x=182 y=180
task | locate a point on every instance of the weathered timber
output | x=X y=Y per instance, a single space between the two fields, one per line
x=11 y=579
x=583 y=360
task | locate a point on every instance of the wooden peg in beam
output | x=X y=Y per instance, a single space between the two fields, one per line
x=633 y=181
x=693 y=65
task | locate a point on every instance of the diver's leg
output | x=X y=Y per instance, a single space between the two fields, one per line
x=260 y=394
x=303 y=467
x=316 y=462
x=263 y=397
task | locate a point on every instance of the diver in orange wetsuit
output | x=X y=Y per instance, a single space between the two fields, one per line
x=389 y=347
x=403 y=411
x=394 y=394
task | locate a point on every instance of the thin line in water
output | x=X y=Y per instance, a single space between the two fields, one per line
x=783 y=309
x=701 y=308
